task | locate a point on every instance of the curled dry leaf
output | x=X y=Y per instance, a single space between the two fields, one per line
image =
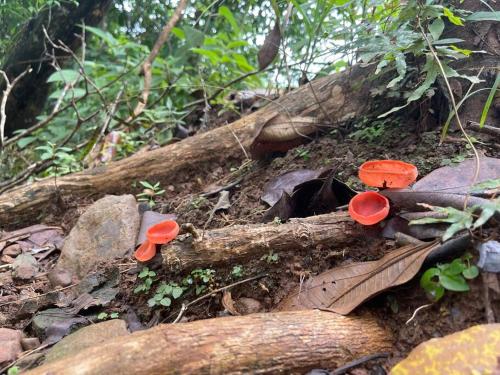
x=270 y=48
x=228 y=303
x=342 y=289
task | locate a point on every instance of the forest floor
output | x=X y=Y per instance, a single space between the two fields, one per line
x=454 y=312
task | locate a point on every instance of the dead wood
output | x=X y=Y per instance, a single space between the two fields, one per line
x=242 y=242
x=269 y=343
x=334 y=100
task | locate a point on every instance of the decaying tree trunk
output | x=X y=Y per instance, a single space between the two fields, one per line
x=333 y=100
x=242 y=242
x=62 y=23
x=270 y=343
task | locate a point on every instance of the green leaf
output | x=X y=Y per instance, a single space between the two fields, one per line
x=64 y=75
x=471 y=273
x=237 y=44
x=166 y=302
x=436 y=28
x=103 y=35
x=144 y=272
x=152 y=302
x=486 y=185
x=466 y=52
x=452 y=18
x=484 y=16
x=228 y=15
x=487 y=211
x=487 y=105
x=454 y=268
x=23 y=142
x=430 y=285
x=114 y=315
x=454 y=283
x=179 y=33
x=212 y=56
x=102 y=316
x=177 y=292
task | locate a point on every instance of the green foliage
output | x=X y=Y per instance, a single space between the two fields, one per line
x=237 y=271
x=201 y=279
x=14 y=370
x=449 y=276
x=63 y=161
x=461 y=220
x=303 y=153
x=150 y=193
x=270 y=258
x=147 y=278
x=106 y=316
x=369 y=131
x=164 y=294
x=491 y=96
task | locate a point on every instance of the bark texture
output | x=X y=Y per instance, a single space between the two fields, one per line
x=270 y=343
x=242 y=242
x=334 y=100
x=28 y=97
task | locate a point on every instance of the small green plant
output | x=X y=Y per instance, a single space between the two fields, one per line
x=303 y=153
x=150 y=193
x=270 y=258
x=14 y=370
x=460 y=220
x=368 y=131
x=63 y=162
x=277 y=220
x=237 y=271
x=199 y=202
x=164 y=294
x=201 y=278
x=147 y=278
x=106 y=316
x=449 y=276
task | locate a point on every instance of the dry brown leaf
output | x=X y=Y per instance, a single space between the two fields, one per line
x=344 y=288
x=228 y=303
x=270 y=48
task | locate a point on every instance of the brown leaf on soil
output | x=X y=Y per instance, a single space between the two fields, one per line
x=270 y=48
x=344 y=288
x=228 y=303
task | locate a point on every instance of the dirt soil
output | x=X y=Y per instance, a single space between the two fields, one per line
x=454 y=312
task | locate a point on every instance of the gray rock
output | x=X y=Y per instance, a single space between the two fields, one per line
x=248 y=305
x=10 y=345
x=59 y=277
x=53 y=324
x=106 y=231
x=25 y=267
x=86 y=337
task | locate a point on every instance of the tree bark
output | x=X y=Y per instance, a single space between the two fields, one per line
x=334 y=100
x=270 y=343
x=242 y=242
x=61 y=22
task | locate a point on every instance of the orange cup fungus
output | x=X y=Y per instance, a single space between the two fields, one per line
x=388 y=173
x=160 y=233
x=369 y=208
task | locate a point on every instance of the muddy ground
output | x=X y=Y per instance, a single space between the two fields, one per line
x=454 y=312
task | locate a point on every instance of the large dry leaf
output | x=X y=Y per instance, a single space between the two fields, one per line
x=270 y=48
x=344 y=288
x=273 y=190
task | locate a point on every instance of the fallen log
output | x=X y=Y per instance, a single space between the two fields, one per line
x=242 y=242
x=269 y=343
x=333 y=100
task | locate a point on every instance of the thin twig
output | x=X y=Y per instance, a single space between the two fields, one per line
x=416 y=312
x=454 y=104
x=185 y=306
x=3 y=104
x=146 y=67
